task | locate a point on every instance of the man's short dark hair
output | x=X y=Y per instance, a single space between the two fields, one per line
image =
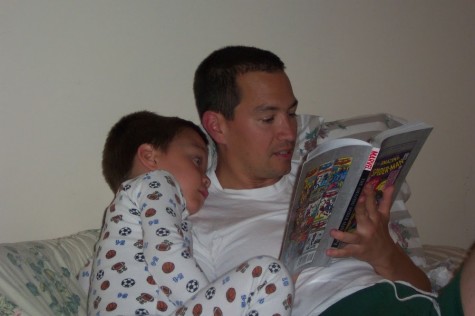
x=133 y=130
x=215 y=86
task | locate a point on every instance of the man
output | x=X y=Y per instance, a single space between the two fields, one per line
x=247 y=106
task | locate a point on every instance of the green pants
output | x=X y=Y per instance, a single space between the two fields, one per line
x=400 y=299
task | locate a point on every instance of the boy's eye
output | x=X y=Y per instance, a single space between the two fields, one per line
x=197 y=161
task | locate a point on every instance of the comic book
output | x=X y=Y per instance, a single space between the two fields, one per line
x=330 y=182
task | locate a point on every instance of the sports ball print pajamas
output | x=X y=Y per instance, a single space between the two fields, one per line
x=143 y=263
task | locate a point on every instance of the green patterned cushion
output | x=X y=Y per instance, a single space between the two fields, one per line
x=39 y=277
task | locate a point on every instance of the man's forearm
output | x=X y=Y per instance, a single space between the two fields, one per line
x=397 y=266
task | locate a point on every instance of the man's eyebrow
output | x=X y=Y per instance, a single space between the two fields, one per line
x=270 y=107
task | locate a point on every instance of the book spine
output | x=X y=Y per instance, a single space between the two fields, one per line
x=347 y=221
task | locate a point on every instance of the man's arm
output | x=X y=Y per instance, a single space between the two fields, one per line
x=371 y=242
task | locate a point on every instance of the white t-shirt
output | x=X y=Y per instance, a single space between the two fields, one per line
x=235 y=225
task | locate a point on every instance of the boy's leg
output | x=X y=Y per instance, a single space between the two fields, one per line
x=259 y=286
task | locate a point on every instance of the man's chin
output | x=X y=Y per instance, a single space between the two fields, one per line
x=282 y=171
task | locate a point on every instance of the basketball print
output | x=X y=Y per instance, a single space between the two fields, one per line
x=162 y=306
x=197 y=310
x=217 y=311
x=257 y=271
x=270 y=288
x=231 y=294
x=168 y=267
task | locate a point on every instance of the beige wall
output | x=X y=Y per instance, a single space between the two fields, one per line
x=70 y=69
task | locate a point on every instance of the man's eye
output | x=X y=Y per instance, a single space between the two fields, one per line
x=268 y=119
x=293 y=114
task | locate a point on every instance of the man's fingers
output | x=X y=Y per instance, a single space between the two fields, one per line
x=385 y=202
x=347 y=238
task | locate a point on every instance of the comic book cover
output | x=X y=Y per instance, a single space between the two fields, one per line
x=330 y=182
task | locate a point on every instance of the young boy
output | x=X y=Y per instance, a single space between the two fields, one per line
x=143 y=263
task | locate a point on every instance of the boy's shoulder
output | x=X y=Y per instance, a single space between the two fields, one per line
x=152 y=179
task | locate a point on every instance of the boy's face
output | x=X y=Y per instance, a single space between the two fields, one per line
x=187 y=159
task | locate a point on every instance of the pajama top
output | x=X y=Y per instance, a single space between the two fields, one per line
x=143 y=263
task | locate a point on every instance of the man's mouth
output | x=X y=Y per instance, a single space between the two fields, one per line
x=285 y=153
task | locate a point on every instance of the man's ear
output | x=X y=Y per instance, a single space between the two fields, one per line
x=148 y=156
x=215 y=124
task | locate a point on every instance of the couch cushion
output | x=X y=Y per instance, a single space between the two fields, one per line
x=39 y=277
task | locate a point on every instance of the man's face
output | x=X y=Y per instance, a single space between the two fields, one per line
x=261 y=137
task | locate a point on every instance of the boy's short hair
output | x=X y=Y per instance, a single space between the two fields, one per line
x=215 y=86
x=133 y=130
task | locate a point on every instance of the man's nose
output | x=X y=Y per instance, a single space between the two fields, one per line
x=288 y=129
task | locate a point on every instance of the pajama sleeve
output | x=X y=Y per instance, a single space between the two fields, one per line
x=167 y=237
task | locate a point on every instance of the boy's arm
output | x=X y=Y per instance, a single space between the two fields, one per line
x=167 y=239
x=371 y=242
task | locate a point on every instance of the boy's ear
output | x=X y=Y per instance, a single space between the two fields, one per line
x=215 y=124
x=148 y=156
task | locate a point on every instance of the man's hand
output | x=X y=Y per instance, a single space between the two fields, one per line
x=372 y=243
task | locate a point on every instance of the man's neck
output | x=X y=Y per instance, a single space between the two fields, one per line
x=230 y=178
